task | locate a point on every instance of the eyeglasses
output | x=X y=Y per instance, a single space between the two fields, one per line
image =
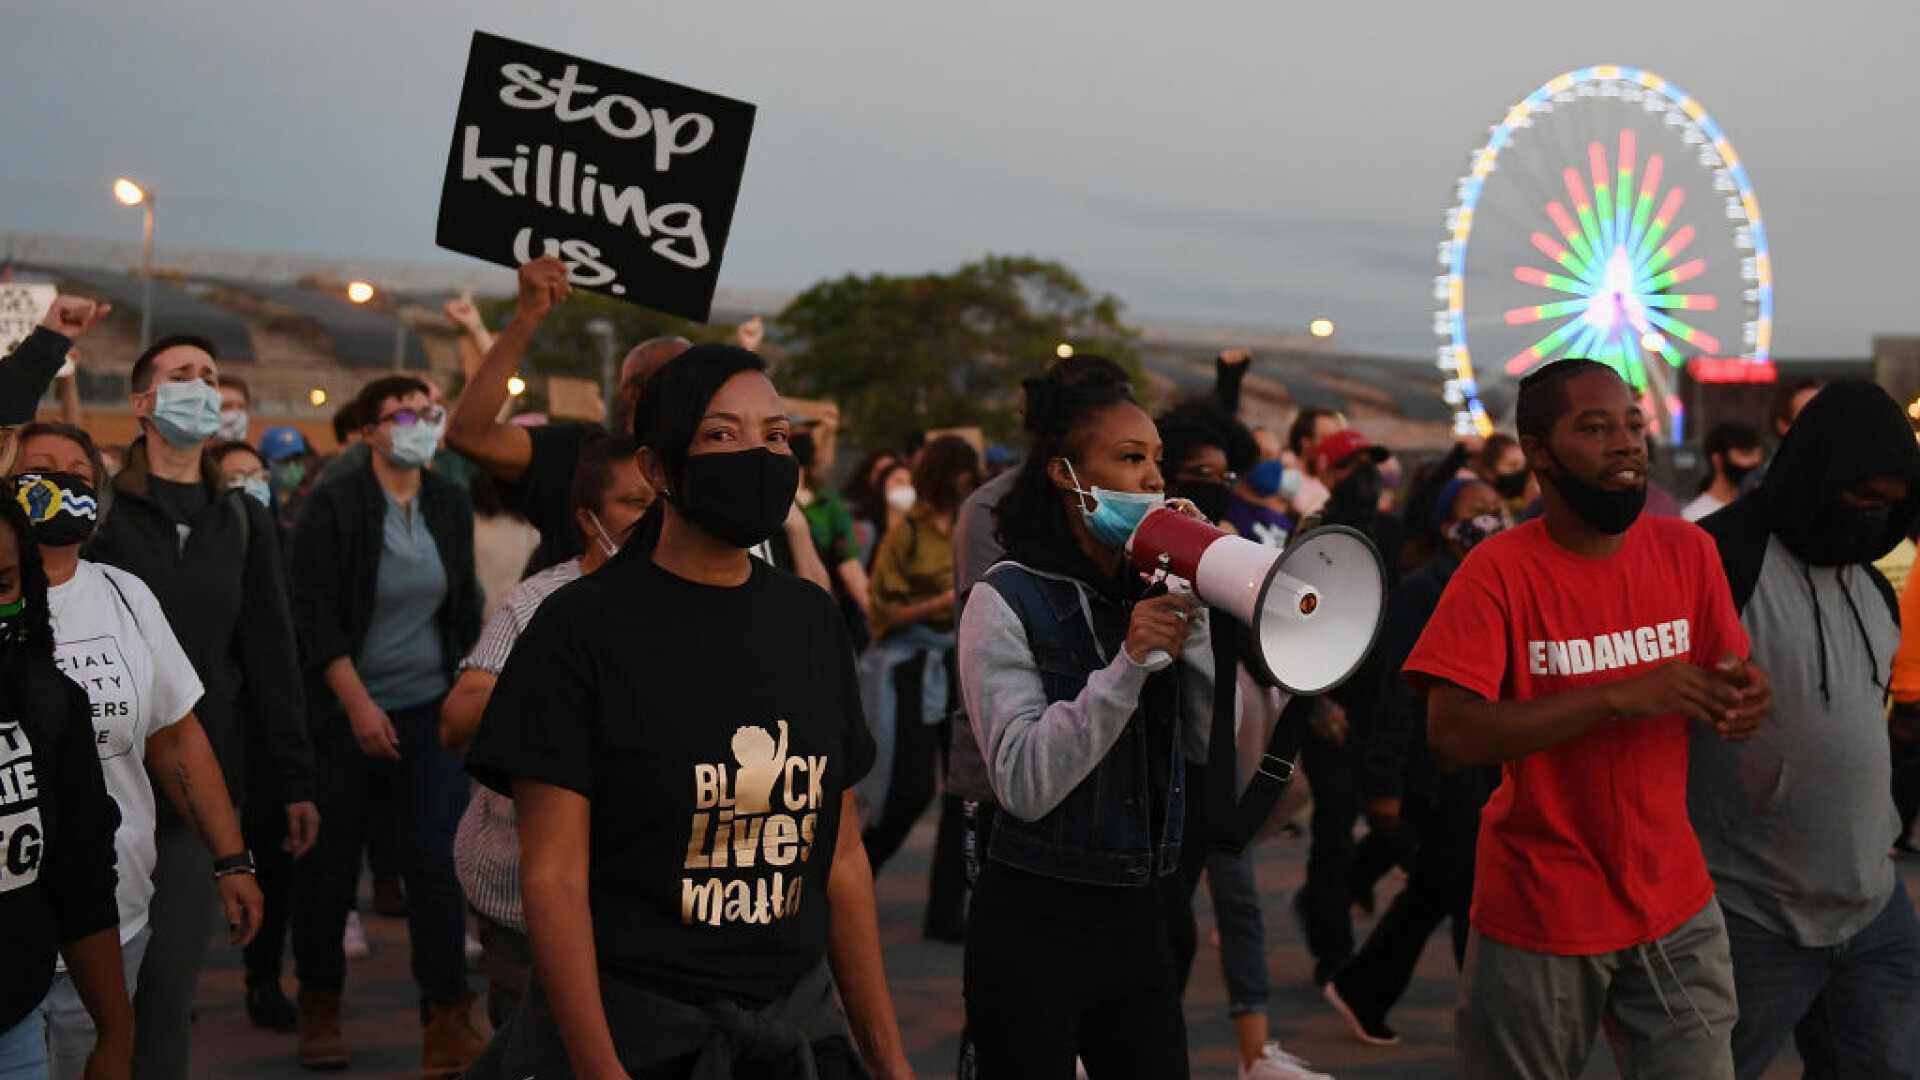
x=1206 y=474
x=432 y=414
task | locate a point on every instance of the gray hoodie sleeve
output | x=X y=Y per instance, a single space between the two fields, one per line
x=1036 y=752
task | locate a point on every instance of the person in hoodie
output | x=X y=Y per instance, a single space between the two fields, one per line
x=211 y=555
x=1085 y=720
x=1796 y=824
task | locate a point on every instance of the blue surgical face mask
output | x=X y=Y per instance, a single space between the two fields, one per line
x=258 y=487
x=414 y=444
x=606 y=542
x=186 y=413
x=1115 y=514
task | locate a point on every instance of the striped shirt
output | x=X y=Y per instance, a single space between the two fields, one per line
x=486 y=846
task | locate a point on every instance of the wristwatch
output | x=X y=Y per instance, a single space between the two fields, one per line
x=240 y=863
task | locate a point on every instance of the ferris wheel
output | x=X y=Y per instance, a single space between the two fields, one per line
x=1606 y=217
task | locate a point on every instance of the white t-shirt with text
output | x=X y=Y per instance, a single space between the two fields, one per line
x=110 y=636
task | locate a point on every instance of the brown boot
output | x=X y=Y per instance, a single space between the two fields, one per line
x=321 y=1046
x=450 y=1043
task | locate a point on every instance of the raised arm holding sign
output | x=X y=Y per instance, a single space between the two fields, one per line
x=630 y=180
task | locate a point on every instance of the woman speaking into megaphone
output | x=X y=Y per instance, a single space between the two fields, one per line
x=1085 y=732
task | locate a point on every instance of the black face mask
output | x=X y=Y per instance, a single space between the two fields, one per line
x=1848 y=534
x=1611 y=512
x=1737 y=473
x=1360 y=490
x=1212 y=499
x=741 y=497
x=1511 y=485
x=61 y=507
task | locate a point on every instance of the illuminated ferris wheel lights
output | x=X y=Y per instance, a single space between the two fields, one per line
x=1653 y=342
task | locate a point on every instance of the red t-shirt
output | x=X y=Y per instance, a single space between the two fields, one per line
x=1584 y=848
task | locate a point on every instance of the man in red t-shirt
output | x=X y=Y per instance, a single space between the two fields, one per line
x=1575 y=651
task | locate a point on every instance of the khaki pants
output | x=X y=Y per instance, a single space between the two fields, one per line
x=1667 y=1008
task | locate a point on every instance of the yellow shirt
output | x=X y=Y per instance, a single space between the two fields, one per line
x=913 y=564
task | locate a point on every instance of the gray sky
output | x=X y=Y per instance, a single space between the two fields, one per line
x=1250 y=161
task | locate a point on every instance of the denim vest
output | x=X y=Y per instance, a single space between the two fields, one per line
x=1100 y=834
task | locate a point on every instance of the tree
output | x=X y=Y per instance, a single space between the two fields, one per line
x=901 y=354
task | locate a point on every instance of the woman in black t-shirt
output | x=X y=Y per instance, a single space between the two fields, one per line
x=681 y=732
x=57 y=824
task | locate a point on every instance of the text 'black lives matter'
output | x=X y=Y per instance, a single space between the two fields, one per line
x=630 y=180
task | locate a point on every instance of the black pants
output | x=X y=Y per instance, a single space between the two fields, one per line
x=1333 y=770
x=263 y=822
x=1048 y=983
x=918 y=750
x=1439 y=887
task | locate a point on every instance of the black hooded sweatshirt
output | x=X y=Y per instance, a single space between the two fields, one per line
x=1851 y=431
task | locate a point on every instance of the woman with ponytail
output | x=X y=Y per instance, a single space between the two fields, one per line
x=1088 y=692
x=680 y=733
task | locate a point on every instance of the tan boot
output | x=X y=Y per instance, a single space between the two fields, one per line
x=321 y=1046
x=449 y=1043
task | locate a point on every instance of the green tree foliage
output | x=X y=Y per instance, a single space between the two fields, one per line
x=941 y=350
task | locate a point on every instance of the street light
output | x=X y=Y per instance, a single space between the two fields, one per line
x=1063 y=350
x=132 y=194
x=361 y=292
x=1321 y=328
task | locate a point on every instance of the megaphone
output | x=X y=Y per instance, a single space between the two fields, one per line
x=1314 y=607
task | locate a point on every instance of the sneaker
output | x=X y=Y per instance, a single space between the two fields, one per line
x=1275 y=1063
x=474 y=949
x=1372 y=1030
x=354 y=940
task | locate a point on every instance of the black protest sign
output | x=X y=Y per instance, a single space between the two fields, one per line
x=628 y=179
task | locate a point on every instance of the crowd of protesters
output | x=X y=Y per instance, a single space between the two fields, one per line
x=632 y=715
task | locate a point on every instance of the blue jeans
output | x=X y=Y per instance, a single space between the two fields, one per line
x=1857 y=1004
x=23 y=1049
x=64 y=1020
x=431 y=793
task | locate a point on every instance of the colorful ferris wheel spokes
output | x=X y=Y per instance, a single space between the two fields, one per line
x=1620 y=265
x=1606 y=217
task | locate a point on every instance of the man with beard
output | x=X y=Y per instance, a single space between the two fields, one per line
x=1796 y=824
x=1578 y=651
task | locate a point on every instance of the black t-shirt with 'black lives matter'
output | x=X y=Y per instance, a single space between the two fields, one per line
x=714 y=731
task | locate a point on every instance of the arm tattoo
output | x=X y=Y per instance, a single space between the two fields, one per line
x=183 y=781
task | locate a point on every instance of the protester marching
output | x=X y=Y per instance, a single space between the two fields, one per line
x=866 y=689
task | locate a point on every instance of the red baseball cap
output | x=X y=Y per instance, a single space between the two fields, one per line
x=1337 y=447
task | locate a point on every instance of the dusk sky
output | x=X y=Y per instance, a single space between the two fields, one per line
x=1257 y=163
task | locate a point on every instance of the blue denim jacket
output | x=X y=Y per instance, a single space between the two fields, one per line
x=1101 y=833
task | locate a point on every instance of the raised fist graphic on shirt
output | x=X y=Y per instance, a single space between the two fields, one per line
x=761 y=763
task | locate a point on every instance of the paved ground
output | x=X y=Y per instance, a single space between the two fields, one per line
x=383 y=1029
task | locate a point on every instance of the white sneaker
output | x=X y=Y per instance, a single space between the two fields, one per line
x=1275 y=1063
x=354 y=940
x=474 y=948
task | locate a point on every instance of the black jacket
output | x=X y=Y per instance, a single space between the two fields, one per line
x=224 y=593
x=336 y=567
x=56 y=864
x=26 y=373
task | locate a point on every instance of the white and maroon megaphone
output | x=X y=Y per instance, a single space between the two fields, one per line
x=1314 y=607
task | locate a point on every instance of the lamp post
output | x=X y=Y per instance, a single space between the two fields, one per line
x=361 y=292
x=132 y=194
x=601 y=330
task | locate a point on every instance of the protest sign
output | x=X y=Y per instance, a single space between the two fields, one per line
x=630 y=180
x=22 y=306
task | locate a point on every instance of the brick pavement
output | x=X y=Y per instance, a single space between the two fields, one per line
x=383 y=1030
